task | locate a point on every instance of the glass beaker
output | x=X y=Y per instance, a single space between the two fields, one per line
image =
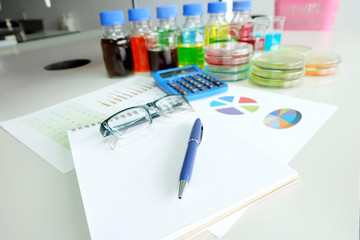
x=278 y=27
x=271 y=27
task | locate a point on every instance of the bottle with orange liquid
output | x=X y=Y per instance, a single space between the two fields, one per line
x=140 y=21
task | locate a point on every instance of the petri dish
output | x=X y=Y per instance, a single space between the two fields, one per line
x=231 y=77
x=227 y=68
x=278 y=74
x=322 y=60
x=320 y=71
x=301 y=49
x=274 y=83
x=278 y=60
x=213 y=60
x=229 y=49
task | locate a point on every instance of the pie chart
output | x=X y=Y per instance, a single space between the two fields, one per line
x=232 y=105
x=282 y=118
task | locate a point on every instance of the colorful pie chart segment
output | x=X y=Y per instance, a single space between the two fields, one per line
x=282 y=118
x=232 y=105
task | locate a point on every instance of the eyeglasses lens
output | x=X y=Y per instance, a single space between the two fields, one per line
x=172 y=105
x=129 y=122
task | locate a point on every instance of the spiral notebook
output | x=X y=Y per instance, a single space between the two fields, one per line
x=131 y=192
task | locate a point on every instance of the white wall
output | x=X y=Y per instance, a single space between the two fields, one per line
x=87 y=11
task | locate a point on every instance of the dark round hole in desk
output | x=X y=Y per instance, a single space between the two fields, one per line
x=67 y=64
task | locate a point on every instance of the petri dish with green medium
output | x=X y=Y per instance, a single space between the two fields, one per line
x=278 y=60
x=274 y=83
x=278 y=74
x=300 y=49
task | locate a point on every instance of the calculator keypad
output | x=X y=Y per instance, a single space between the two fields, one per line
x=194 y=83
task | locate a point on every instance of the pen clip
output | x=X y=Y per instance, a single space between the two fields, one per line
x=201 y=134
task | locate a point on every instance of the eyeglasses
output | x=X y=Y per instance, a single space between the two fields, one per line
x=134 y=119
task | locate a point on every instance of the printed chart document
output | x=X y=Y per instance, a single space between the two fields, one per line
x=278 y=125
x=45 y=131
x=131 y=192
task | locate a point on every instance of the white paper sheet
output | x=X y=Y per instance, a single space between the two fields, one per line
x=131 y=192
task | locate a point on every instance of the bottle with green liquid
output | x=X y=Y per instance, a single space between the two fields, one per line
x=167 y=25
x=191 y=38
x=217 y=29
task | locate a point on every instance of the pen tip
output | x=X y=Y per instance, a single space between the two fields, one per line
x=181 y=188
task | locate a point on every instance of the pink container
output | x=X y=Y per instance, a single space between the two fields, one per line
x=307 y=14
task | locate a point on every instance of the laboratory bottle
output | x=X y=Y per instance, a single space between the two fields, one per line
x=115 y=44
x=217 y=28
x=163 y=51
x=167 y=16
x=241 y=24
x=167 y=26
x=191 y=38
x=140 y=22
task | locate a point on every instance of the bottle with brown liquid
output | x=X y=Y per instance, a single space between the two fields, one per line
x=115 y=44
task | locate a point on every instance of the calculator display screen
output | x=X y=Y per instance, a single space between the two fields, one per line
x=177 y=72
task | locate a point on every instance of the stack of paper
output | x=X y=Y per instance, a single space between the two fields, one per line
x=131 y=192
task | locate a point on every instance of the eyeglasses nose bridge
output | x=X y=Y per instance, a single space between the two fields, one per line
x=150 y=104
x=153 y=110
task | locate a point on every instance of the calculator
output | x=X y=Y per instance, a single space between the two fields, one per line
x=190 y=81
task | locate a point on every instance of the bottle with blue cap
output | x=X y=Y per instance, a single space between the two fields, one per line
x=191 y=39
x=167 y=16
x=167 y=26
x=115 y=44
x=140 y=21
x=162 y=43
x=217 y=29
x=241 y=24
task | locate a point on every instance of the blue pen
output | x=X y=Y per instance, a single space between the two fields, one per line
x=193 y=143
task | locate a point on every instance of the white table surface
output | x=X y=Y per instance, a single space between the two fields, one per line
x=38 y=202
